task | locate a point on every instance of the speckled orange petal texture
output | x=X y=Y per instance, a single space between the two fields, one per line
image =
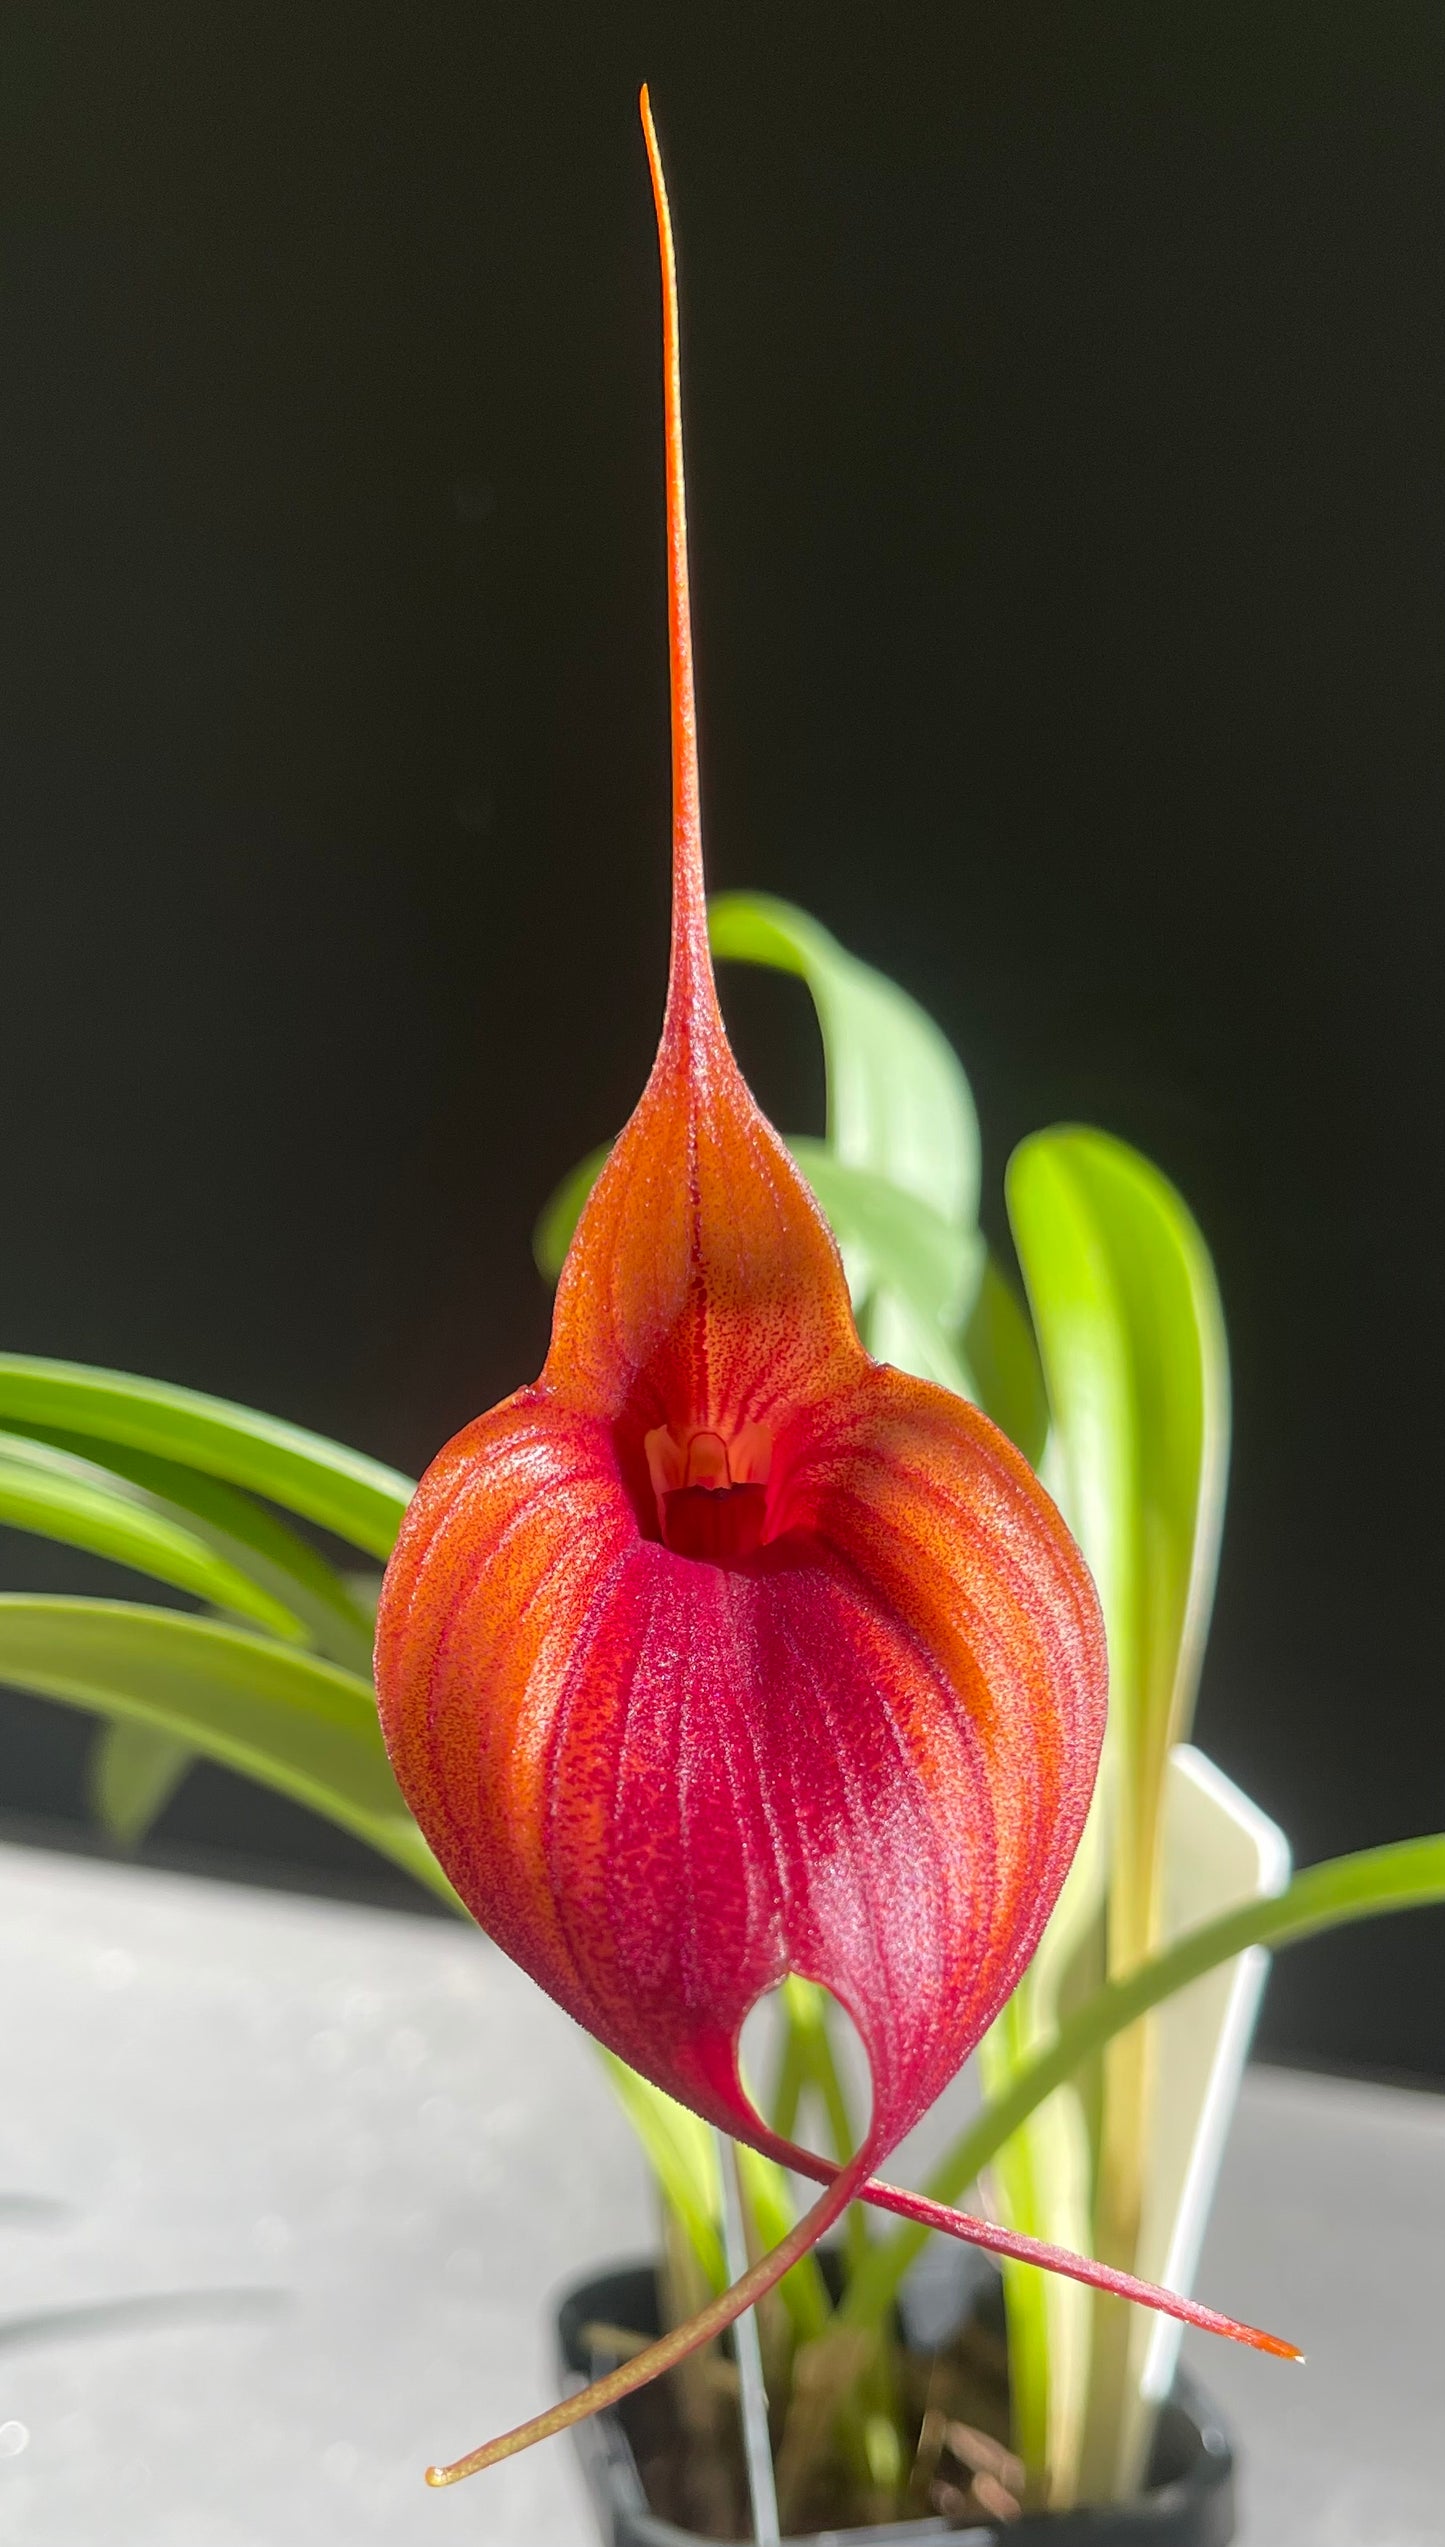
x=863 y=1754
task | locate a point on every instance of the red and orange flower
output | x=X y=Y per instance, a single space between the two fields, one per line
x=723 y=1652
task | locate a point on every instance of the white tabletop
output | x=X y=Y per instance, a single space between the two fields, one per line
x=348 y=2155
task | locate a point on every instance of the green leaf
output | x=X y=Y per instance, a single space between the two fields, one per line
x=185 y=1529
x=1407 y=1875
x=898 y=1102
x=243 y=1533
x=58 y=1496
x=1039 y=2183
x=894 y=1331
x=679 y=2149
x=900 y=1113
x=998 y=1343
x=903 y=1243
x=803 y=2291
x=134 y=1772
x=562 y=1210
x=357 y=1498
x=294 y=1722
x=1132 y=1336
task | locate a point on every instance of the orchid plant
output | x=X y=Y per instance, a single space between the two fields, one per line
x=759 y=1647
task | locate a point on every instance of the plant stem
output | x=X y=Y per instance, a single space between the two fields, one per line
x=790 y=2082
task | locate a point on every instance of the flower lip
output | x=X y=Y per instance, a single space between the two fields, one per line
x=721 y=1524
x=713 y=1457
x=711 y=1488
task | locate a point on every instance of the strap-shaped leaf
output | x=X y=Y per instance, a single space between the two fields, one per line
x=1003 y=1358
x=1132 y=1335
x=189 y=1530
x=58 y=1496
x=134 y=1770
x=679 y=2150
x=1038 y=2183
x=901 y=1114
x=562 y=1210
x=356 y=1497
x=906 y=1244
x=242 y=1532
x=294 y=1722
x=898 y=1102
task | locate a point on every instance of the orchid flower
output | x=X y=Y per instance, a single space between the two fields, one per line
x=722 y=1652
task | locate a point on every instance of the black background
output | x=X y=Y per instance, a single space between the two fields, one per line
x=1067 y=411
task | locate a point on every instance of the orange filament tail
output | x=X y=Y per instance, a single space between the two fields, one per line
x=691 y=998
x=674 y=2347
